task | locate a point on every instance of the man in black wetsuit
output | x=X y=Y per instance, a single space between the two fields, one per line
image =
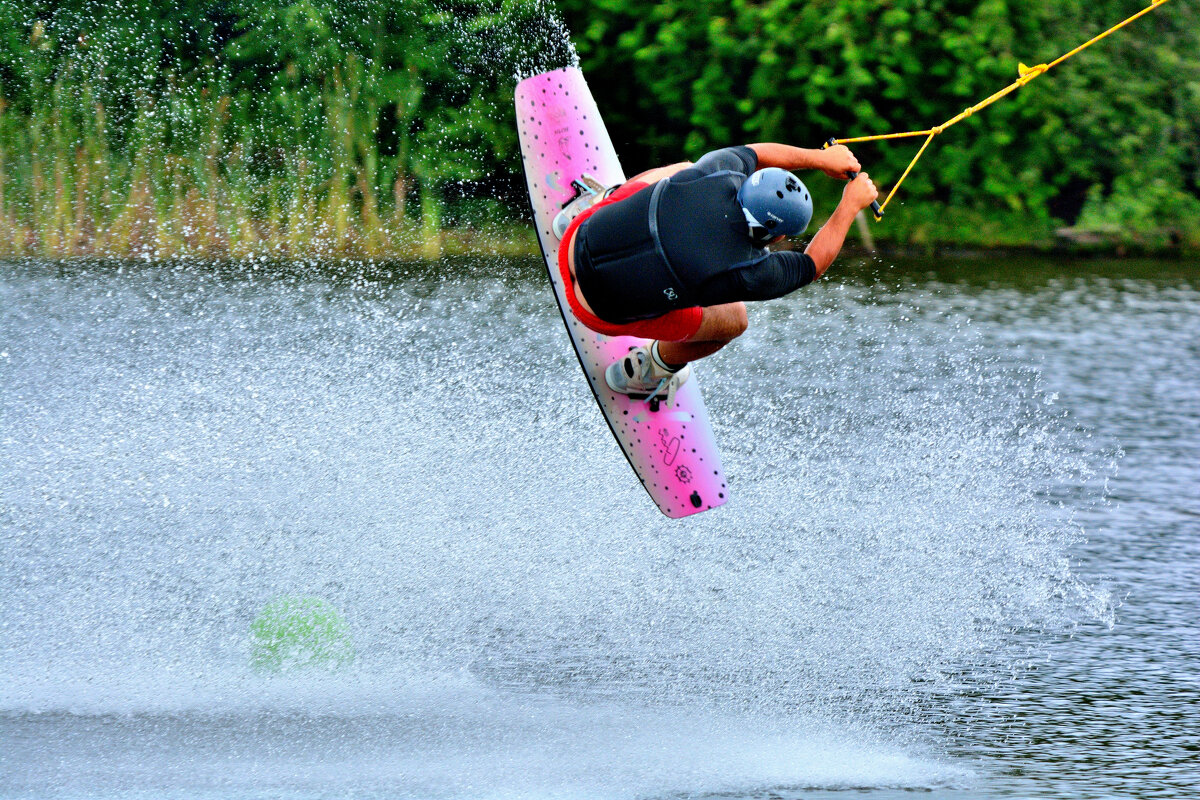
x=684 y=246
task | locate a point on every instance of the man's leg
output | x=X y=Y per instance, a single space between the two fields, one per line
x=665 y=363
x=719 y=326
x=658 y=173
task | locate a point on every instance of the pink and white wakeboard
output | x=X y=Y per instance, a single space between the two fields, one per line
x=671 y=448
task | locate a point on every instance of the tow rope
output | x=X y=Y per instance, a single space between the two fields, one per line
x=1025 y=75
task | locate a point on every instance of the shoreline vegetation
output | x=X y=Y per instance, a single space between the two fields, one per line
x=80 y=201
x=66 y=191
x=380 y=129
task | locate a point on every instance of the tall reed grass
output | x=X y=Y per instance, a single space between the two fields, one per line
x=201 y=171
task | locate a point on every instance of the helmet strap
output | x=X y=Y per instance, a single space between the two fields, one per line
x=758 y=231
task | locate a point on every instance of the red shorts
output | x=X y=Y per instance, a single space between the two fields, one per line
x=674 y=326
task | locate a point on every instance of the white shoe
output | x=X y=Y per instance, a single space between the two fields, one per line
x=590 y=191
x=638 y=373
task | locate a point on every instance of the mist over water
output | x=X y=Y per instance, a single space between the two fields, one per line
x=180 y=445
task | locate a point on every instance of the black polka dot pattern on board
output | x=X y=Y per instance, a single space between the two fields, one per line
x=650 y=437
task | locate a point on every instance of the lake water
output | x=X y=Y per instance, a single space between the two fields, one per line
x=962 y=554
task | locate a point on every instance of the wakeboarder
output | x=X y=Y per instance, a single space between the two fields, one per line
x=673 y=254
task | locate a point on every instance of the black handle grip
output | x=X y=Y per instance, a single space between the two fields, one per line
x=875 y=209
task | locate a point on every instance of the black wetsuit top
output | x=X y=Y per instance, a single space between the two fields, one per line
x=682 y=242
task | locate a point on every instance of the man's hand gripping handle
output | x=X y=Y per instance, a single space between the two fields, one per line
x=851 y=175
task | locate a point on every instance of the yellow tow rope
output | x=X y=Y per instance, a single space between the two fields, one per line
x=1026 y=74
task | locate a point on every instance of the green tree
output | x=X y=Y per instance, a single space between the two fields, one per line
x=1114 y=126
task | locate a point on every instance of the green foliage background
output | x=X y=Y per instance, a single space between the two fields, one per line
x=373 y=127
x=1110 y=139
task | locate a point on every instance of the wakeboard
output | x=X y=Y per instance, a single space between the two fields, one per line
x=671 y=448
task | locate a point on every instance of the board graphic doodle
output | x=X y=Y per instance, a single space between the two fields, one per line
x=671 y=448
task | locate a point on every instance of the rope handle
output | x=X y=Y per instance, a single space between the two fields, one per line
x=851 y=175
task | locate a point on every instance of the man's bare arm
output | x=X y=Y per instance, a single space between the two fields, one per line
x=825 y=246
x=834 y=162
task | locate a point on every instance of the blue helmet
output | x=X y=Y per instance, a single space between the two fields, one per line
x=775 y=203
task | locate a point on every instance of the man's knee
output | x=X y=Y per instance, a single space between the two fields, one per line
x=727 y=322
x=722 y=323
x=743 y=321
x=735 y=321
